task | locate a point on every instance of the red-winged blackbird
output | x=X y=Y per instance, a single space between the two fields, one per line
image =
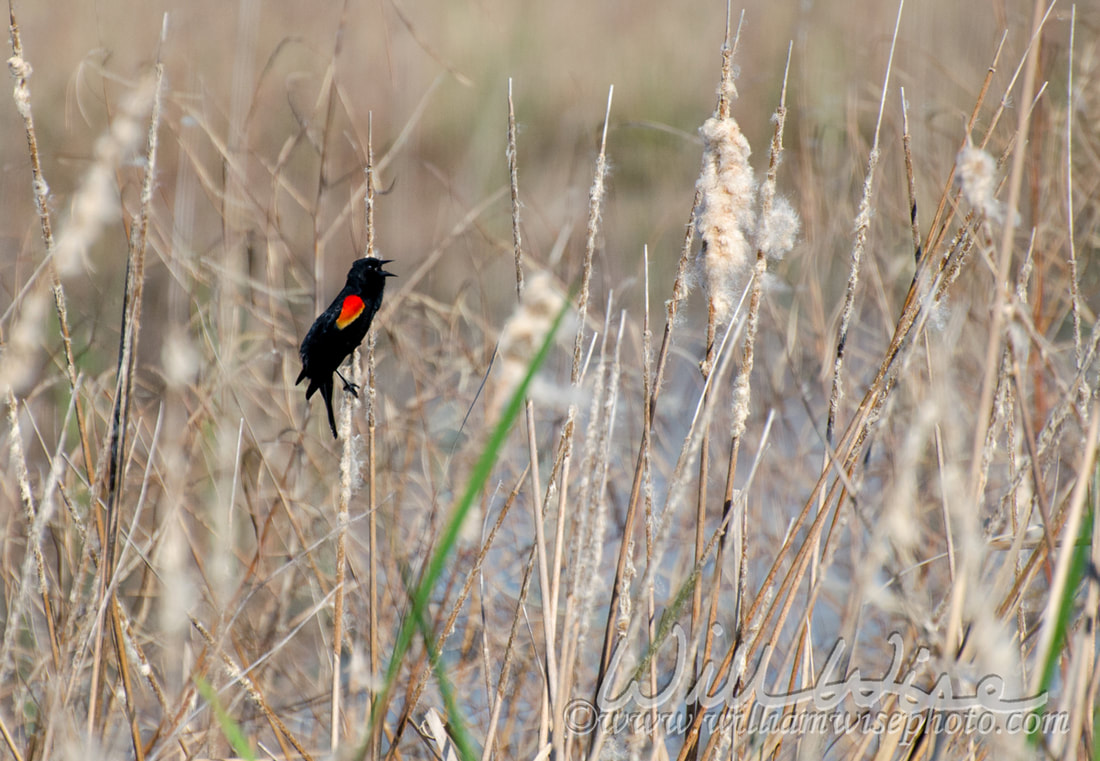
x=340 y=328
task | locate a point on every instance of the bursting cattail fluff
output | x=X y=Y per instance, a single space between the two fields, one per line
x=522 y=336
x=778 y=229
x=975 y=177
x=726 y=221
x=96 y=203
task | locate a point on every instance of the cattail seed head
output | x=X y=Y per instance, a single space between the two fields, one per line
x=778 y=229
x=726 y=220
x=96 y=203
x=976 y=178
x=522 y=336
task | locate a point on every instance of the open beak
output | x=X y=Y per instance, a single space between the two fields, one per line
x=384 y=273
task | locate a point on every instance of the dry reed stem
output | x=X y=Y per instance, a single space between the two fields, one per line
x=1001 y=285
x=115 y=441
x=550 y=675
x=513 y=174
x=566 y=440
x=506 y=666
x=347 y=465
x=548 y=614
x=20 y=70
x=672 y=307
x=1074 y=280
x=347 y=455
x=675 y=496
x=740 y=394
x=591 y=509
x=727 y=186
x=862 y=224
x=34 y=563
x=374 y=654
x=910 y=179
x=1070 y=530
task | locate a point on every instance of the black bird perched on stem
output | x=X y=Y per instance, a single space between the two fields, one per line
x=340 y=328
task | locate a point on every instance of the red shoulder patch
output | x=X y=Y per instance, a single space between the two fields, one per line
x=349 y=311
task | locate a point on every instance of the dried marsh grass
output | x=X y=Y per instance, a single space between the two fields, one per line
x=864 y=449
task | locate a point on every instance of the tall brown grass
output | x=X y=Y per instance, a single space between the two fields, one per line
x=823 y=406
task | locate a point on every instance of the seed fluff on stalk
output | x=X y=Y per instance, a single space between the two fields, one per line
x=520 y=338
x=976 y=170
x=726 y=220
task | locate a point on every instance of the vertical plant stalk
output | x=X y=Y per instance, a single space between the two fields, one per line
x=549 y=697
x=672 y=308
x=120 y=414
x=645 y=458
x=513 y=175
x=1002 y=285
x=373 y=654
x=568 y=435
x=236 y=195
x=342 y=521
x=21 y=70
x=588 y=508
x=1074 y=280
x=36 y=523
x=347 y=465
x=741 y=384
x=506 y=667
x=910 y=177
x=727 y=93
x=863 y=222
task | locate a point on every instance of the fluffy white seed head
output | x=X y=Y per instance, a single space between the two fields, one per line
x=726 y=221
x=778 y=229
x=522 y=336
x=24 y=341
x=96 y=203
x=975 y=176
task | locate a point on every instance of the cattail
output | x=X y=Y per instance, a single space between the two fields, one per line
x=725 y=221
x=975 y=177
x=777 y=230
x=25 y=338
x=623 y=615
x=522 y=336
x=96 y=203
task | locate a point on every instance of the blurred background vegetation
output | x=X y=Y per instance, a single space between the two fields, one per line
x=257 y=214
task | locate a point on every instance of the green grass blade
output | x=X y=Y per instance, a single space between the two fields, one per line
x=230 y=728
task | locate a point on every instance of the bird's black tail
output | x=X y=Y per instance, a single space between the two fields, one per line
x=326 y=392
